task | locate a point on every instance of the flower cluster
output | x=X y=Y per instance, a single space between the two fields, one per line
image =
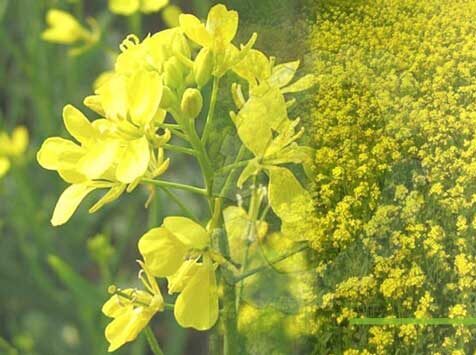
x=154 y=93
x=395 y=135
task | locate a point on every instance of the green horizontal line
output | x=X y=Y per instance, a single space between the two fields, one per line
x=422 y=321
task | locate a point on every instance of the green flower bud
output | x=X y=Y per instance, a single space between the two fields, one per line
x=192 y=103
x=169 y=99
x=173 y=70
x=203 y=67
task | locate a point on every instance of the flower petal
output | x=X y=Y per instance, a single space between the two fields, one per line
x=69 y=202
x=78 y=125
x=282 y=74
x=133 y=161
x=195 y=30
x=148 y=6
x=124 y=7
x=127 y=326
x=98 y=158
x=163 y=253
x=56 y=153
x=197 y=305
x=190 y=233
x=4 y=166
x=222 y=23
x=144 y=94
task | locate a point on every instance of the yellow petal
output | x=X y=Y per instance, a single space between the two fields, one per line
x=190 y=233
x=222 y=23
x=63 y=28
x=117 y=305
x=195 y=30
x=197 y=305
x=178 y=281
x=170 y=15
x=19 y=140
x=283 y=74
x=93 y=102
x=124 y=7
x=113 y=97
x=56 y=153
x=144 y=94
x=302 y=84
x=69 y=202
x=148 y=6
x=78 y=125
x=133 y=161
x=98 y=158
x=127 y=326
x=237 y=225
x=162 y=251
x=285 y=192
x=4 y=166
x=255 y=66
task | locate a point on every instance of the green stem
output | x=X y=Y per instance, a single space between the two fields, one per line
x=211 y=110
x=174 y=185
x=231 y=341
x=234 y=166
x=203 y=159
x=228 y=179
x=179 y=149
x=179 y=203
x=135 y=23
x=154 y=345
x=271 y=262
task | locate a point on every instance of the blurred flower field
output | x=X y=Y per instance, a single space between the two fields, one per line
x=236 y=177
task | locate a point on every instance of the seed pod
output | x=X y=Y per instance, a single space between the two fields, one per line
x=192 y=103
x=203 y=67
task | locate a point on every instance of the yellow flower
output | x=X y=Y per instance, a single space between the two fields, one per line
x=12 y=147
x=104 y=158
x=257 y=69
x=215 y=37
x=63 y=28
x=128 y=7
x=178 y=251
x=132 y=310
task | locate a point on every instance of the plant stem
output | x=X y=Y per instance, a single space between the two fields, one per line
x=179 y=203
x=211 y=110
x=174 y=185
x=271 y=262
x=135 y=23
x=152 y=341
x=233 y=166
x=231 y=342
x=179 y=149
x=228 y=179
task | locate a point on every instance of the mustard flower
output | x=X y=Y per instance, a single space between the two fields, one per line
x=105 y=158
x=257 y=69
x=215 y=38
x=132 y=310
x=63 y=28
x=178 y=250
x=12 y=147
x=128 y=7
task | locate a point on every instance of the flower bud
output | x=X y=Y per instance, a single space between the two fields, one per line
x=169 y=99
x=173 y=73
x=203 y=67
x=192 y=103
